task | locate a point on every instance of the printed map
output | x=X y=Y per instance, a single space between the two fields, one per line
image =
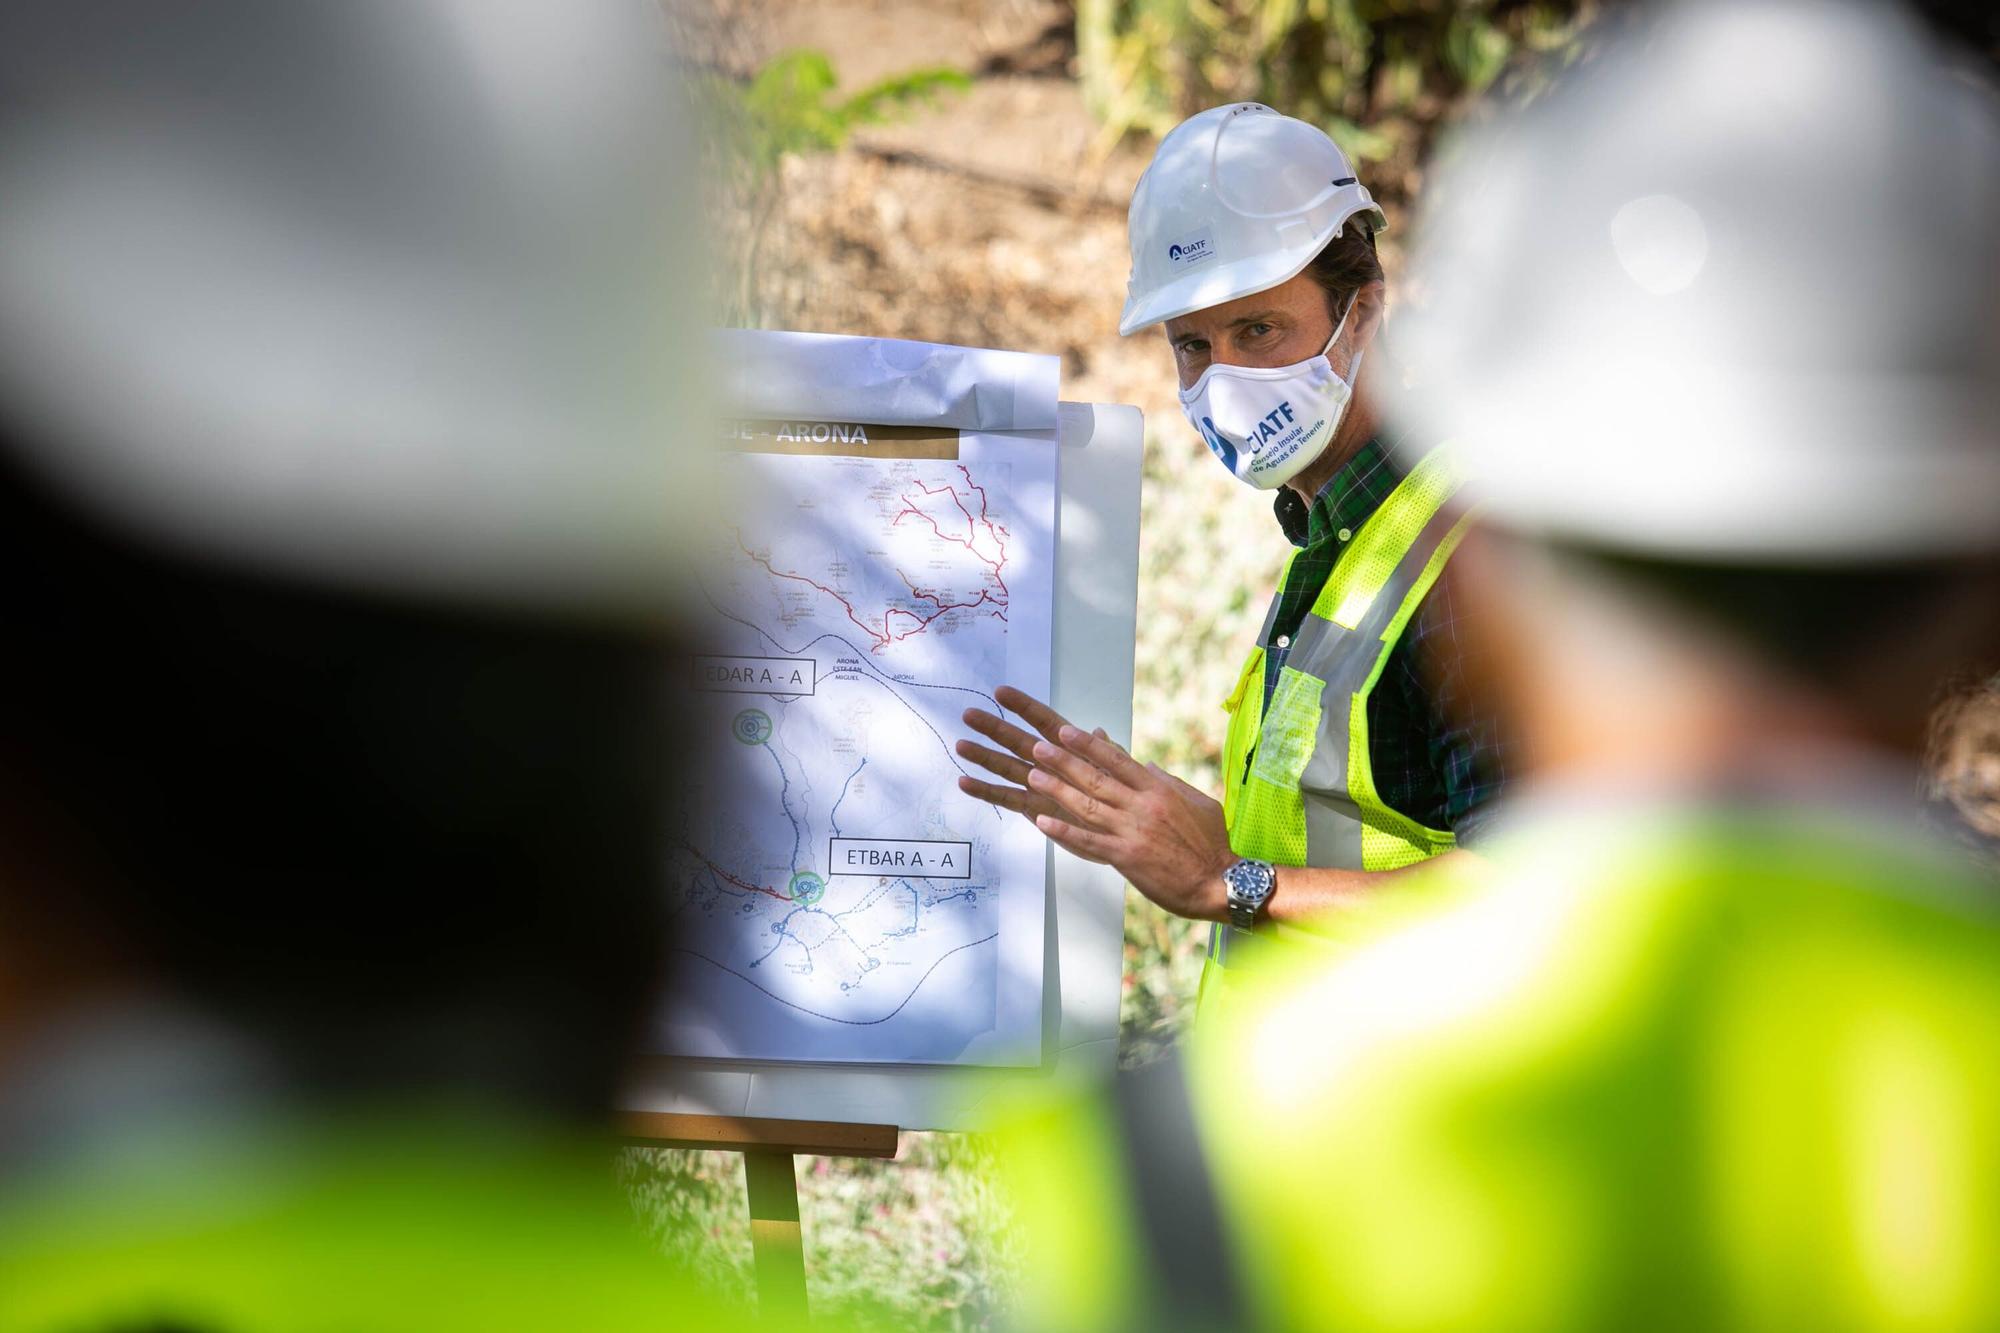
x=839 y=898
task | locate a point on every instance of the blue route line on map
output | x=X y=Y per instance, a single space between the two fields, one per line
x=861 y=656
x=782 y=929
x=802 y=825
x=785 y=803
x=834 y=817
x=850 y=1022
x=970 y=895
x=783 y=935
x=881 y=677
x=875 y=896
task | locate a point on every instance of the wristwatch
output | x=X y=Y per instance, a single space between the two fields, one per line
x=1250 y=884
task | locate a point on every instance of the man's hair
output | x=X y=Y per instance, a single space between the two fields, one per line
x=406 y=846
x=1345 y=265
x=1961 y=756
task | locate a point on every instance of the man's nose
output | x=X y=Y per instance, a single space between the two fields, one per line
x=1218 y=354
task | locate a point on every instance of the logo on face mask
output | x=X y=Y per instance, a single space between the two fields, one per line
x=1271 y=424
x=1218 y=446
x=1266 y=423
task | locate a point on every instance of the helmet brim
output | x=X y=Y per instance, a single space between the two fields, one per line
x=1215 y=284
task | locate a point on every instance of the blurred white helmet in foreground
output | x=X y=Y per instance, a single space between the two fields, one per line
x=389 y=293
x=1237 y=199
x=1732 y=292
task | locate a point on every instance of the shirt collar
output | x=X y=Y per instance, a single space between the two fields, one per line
x=1351 y=495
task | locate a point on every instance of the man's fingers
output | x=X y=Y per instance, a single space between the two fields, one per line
x=1001 y=765
x=1083 y=775
x=1106 y=753
x=1007 y=798
x=1001 y=732
x=1081 y=805
x=1024 y=803
x=1031 y=806
x=1032 y=710
x=1090 y=846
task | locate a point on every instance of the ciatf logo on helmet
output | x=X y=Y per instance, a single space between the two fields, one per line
x=1191 y=249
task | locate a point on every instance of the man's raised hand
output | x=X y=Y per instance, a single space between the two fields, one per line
x=1090 y=797
x=1014 y=762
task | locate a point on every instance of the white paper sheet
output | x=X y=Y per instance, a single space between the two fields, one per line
x=888 y=381
x=842 y=900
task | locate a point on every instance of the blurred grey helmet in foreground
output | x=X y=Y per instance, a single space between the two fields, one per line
x=1731 y=293
x=396 y=294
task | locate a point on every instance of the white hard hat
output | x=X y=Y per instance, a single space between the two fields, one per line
x=1237 y=200
x=390 y=293
x=1733 y=294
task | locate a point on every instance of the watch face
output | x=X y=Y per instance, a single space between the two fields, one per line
x=1248 y=880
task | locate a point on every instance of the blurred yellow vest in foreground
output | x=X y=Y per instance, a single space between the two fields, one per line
x=395 y=1222
x=1682 y=1070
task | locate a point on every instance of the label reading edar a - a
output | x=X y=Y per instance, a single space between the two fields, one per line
x=757 y=675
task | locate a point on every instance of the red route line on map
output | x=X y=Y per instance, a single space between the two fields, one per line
x=739 y=883
x=994 y=530
x=887 y=635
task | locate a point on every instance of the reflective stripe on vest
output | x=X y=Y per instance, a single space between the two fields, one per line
x=1298 y=786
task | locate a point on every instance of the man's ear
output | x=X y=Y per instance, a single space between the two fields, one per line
x=1371 y=307
x=1364 y=321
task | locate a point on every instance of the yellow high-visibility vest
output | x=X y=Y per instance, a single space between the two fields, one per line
x=396 y=1222
x=1298 y=786
x=1644 y=1070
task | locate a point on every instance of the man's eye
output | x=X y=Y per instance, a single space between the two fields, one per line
x=1193 y=346
x=1258 y=330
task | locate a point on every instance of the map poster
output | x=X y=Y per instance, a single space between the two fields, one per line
x=838 y=898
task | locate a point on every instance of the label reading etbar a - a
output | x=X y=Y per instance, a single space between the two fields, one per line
x=901 y=856
x=756 y=675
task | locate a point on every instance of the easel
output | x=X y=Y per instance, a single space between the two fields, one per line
x=771 y=1179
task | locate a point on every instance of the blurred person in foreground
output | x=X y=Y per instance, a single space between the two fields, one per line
x=1712 y=1044
x=1357 y=746
x=339 y=364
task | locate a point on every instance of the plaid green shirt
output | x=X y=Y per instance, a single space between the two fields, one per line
x=1436 y=751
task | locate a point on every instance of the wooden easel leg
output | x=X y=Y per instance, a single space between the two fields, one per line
x=775 y=1242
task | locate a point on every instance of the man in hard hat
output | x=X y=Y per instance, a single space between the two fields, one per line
x=1356 y=745
x=1713 y=1045
x=337 y=385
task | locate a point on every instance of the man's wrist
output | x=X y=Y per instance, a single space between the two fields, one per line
x=1266 y=913
x=1214 y=897
x=1215 y=888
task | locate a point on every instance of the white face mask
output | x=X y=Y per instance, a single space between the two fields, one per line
x=1266 y=425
